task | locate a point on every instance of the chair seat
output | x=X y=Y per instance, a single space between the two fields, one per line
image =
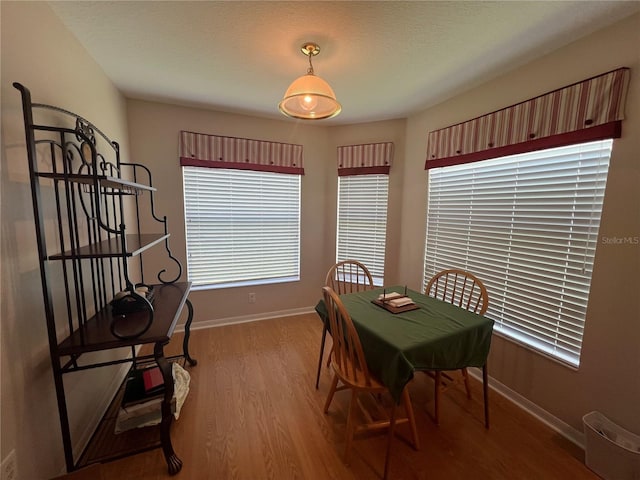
x=382 y=421
x=374 y=385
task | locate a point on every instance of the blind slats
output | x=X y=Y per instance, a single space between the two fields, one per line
x=527 y=226
x=362 y=221
x=242 y=226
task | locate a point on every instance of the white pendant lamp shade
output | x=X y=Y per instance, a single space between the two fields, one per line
x=309 y=97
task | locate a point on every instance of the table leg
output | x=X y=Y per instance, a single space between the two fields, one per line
x=174 y=464
x=187 y=335
x=485 y=386
x=324 y=338
x=392 y=425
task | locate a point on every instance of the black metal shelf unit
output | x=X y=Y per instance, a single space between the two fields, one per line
x=79 y=194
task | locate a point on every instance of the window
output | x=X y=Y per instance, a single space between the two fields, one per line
x=527 y=226
x=243 y=226
x=362 y=221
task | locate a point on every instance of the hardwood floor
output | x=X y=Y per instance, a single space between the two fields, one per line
x=253 y=413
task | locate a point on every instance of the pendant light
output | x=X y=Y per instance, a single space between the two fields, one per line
x=309 y=97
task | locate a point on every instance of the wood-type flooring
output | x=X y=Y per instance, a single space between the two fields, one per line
x=253 y=413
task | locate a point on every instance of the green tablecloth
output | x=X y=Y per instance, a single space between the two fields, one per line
x=437 y=336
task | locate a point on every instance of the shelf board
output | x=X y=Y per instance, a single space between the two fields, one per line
x=104 y=181
x=96 y=335
x=112 y=247
x=106 y=445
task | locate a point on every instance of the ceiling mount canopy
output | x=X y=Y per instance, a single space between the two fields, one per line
x=309 y=97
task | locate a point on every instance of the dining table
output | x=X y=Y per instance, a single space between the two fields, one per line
x=435 y=335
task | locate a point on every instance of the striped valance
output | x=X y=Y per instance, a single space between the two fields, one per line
x=213 y=151
x=370 y=158
x=589 y=110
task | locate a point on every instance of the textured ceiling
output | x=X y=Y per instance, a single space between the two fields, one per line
x=384 y=59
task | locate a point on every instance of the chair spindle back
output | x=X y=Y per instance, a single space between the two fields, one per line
x=349 y=276
x=459 y=288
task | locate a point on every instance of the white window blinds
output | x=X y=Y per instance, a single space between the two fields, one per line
x=527 y=226
x=243 y=226
x=362 y=221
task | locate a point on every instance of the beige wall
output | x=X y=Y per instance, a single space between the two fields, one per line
x=609 y=375
x=384 y=131
x=58 y=71
x=153 y=130
x=40 y=53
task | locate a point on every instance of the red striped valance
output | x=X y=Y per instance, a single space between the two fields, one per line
x=585 y=111
x=367 y=159
x=213 y=151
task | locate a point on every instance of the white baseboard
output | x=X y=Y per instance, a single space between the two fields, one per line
x=564 y=429
x=218 y=322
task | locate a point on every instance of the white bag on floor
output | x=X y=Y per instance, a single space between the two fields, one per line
x=150 y=413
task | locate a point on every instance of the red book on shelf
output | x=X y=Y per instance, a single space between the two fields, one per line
x=152 y=378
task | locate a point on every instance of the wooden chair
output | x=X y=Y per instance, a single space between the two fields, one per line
x=350 y=368
x=348 y=276
x=466 y=291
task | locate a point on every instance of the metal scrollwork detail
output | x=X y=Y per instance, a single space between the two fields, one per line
x=69 y=156
x=107 y=166
x=86 y=129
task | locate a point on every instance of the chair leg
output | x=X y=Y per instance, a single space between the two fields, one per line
x=324 y=337
x=332 y=391
x=485 y=388
x=412 y=420
x=350 y=425
x=392 y=426
x=436 y=402
x=465 y=376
